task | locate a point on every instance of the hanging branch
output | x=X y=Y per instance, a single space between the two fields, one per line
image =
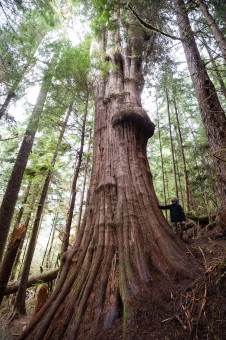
x=149 y=26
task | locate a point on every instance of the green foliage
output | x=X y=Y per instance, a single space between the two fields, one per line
x=198 y=160
x=37 y=283
x=74 y=65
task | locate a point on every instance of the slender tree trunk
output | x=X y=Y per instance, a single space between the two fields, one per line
x=17 y=258
x=14 y=183
x=21 y=211
x=71 y=206
x=124 y=240
x=18 y=234
x=172 y=146
x=6 y=103
x=20 y=307
x=212 y=113
x=213 y=26
x=17 y=222
x=186 y=181
x=161 y=157
x=26 y=223
x=48 y=262
x=7 y=263
x=179 y=181
x=202 y=189
x=84 y=183
x=50 y=237
x=211 y=175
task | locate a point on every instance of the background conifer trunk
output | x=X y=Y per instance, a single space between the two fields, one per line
x=124 y=237
x=212 y=114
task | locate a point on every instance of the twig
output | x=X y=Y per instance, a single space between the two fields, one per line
x=204 y=258
x=202 y=306
x=180 y=321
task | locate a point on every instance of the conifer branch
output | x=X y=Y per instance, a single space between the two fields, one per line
x=149 y=26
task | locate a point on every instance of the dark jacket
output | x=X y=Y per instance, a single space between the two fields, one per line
x=176 y=212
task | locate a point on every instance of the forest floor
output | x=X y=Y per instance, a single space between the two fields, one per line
x=172 y=310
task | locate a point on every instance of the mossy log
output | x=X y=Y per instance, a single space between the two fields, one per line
x=203 y=220
x=47 y=276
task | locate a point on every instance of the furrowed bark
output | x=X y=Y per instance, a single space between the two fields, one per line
x=124 y=237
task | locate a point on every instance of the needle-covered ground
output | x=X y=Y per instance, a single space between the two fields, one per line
x=169 y=310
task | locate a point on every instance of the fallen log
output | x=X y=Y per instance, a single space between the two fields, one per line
x=43 y=277
x=201 y=219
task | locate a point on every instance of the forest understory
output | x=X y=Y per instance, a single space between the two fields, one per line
x=170 y=310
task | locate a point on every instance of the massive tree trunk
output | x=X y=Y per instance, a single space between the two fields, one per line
x=124 y=239
x=212 y=113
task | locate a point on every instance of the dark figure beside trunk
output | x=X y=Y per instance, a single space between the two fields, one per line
x=177 y=216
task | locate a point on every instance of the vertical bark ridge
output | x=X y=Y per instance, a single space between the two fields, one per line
x=124 y=238
x=59 y=294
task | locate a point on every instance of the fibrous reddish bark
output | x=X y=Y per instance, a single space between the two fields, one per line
x=124 y=237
